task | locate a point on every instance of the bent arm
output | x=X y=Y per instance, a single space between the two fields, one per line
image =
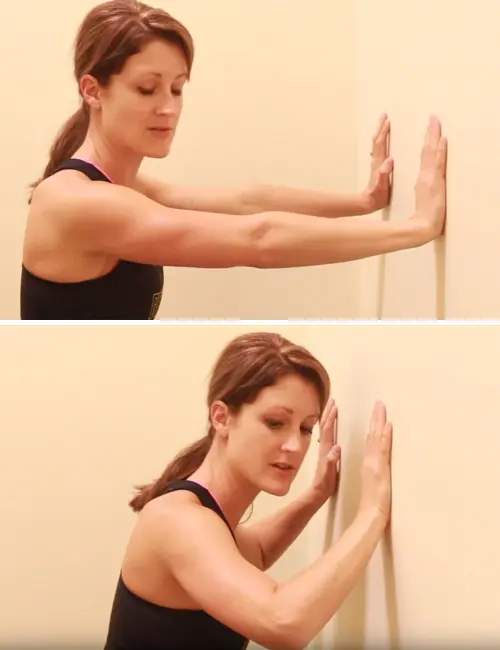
x=281 y=617
x=274 y=534
x=121 y=222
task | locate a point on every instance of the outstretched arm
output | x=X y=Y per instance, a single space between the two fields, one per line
x=257 y=199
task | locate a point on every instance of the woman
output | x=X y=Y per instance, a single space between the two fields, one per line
x=193 y=576
x=99 y=232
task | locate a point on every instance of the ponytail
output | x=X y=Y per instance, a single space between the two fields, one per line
x=182 y=466
x=69 y=139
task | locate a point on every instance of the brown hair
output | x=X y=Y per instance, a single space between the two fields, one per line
x=111 y=33
x=248 y=364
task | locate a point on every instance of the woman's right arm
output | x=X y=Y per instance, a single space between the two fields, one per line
x=290 y=615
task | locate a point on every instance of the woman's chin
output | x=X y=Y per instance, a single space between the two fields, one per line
x=157 y=153
x=277 y=486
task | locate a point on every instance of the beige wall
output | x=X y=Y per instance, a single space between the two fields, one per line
x=82 y=425
x=418 y=57
x=272 y=99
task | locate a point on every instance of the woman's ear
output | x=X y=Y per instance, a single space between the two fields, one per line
x=219 y=417
x=89 y=89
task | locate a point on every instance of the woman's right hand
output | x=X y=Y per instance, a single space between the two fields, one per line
x=376 y=469
x=430 y=188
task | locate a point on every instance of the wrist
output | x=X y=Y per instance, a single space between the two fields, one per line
x=373 y=517
x=314 y=498
x=366 y=203
x=411 y=233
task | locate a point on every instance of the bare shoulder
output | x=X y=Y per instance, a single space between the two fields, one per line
x=94 y=213
x=68 y=194
x=59 y=188
x=178 y=516
x=182 y=513
x=54 y=205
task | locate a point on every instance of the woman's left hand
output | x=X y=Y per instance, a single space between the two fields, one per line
x=378 y=192
x=327 y=476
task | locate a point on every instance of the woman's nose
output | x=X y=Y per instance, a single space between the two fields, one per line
x=292 y=442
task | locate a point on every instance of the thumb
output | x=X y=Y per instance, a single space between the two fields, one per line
x=387 y=166
x=334 y=453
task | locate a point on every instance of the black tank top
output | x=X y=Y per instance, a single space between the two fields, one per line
x=130 y=291
x=136 y=624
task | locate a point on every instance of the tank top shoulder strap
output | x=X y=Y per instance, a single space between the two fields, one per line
x=87 y=168
x=206 y=499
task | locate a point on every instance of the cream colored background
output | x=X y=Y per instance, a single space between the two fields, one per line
x=417 y=57
x=82 y=425
x=288 y=92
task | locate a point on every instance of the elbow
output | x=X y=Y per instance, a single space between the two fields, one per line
x=261 y=253
x=286 y=640
x=286 y=634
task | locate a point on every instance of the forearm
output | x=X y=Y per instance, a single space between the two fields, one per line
x=277 y=532
x=272 y=198
x=309 y=600
x=254 y=199
x=287 y=240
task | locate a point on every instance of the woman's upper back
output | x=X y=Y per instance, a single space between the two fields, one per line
x=60 y=279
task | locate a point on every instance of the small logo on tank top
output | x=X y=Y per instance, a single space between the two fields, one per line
x=155 y=305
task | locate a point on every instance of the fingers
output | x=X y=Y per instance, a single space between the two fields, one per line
x=327 y=423
x=431 y=142
x=382 y=431
x=378 y=418
x=380 y=145
x=442 y=156
x=387 y=167
x=433 y=133
x=336 y=427
x=386 y=440
x=381 y=124
x=334 y=454
x=334 y=457
x=326 y=412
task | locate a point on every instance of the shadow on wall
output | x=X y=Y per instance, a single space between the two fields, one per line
x=440 y=250
x=350 y=624
x=391 y=601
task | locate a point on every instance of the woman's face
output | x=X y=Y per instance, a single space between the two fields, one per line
x=268 y=439
x=139 y=110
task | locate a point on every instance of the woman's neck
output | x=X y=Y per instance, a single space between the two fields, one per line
x=231 y=491
x=121 y=167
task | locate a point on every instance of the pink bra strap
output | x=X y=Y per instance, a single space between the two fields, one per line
x=97 y=167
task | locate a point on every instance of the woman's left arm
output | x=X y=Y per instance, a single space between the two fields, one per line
x=272 y=198
x=274 y=534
